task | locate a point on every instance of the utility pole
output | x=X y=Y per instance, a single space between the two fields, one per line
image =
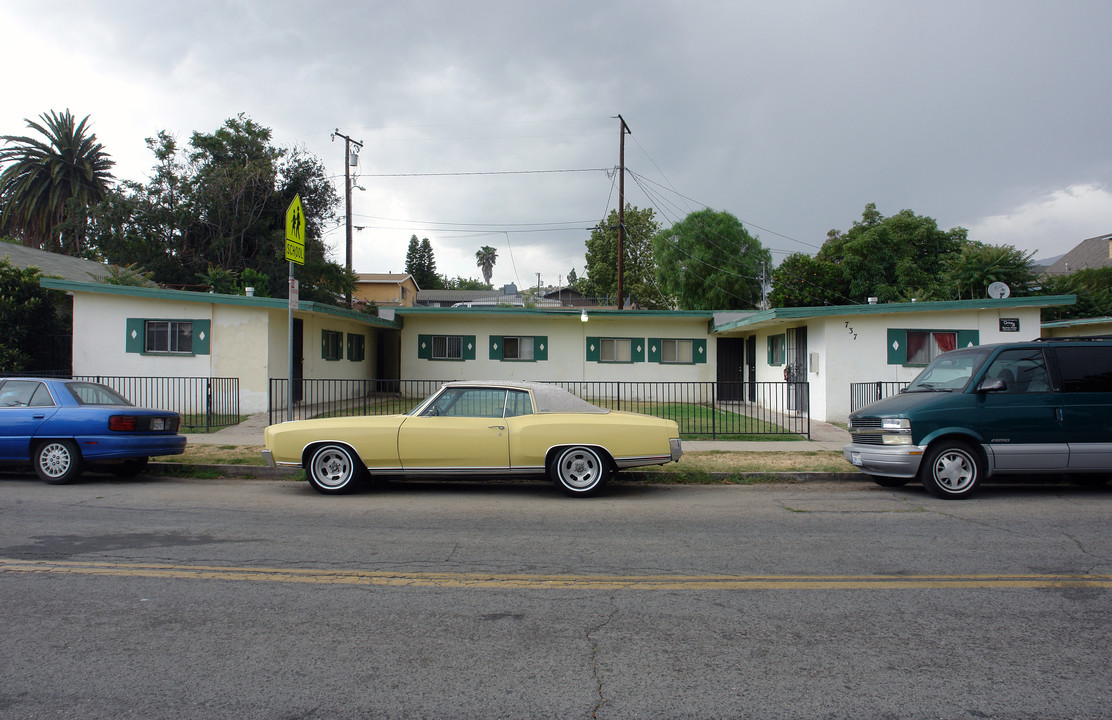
x=622 y=132
x=348 y=142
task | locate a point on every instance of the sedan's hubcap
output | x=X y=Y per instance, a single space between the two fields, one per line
x=55 y=461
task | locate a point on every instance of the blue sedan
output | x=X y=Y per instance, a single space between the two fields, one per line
x=60 y=425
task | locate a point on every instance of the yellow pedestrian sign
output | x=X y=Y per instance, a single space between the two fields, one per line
x=295 y=232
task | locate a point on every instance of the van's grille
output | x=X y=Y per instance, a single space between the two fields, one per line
x=864 y=422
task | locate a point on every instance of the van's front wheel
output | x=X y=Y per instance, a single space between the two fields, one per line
x=951 y=470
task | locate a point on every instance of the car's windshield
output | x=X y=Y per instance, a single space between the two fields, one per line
x=949 y=372
x=88 y=393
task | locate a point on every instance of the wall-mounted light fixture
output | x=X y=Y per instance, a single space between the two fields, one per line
x=583 y=315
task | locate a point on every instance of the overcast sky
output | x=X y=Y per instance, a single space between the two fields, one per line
x=493 y=123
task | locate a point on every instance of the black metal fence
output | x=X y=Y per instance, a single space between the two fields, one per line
x=862 y=394
x=709 y=409
x=202 y=402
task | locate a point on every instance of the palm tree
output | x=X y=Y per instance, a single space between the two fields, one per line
x=49 y=185
x=485 y=259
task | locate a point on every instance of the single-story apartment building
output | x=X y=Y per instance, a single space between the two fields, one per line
x=139 y=332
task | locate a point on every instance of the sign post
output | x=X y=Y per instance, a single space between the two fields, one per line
x=295 y=253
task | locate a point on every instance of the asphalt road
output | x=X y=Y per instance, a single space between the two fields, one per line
x=165 y=598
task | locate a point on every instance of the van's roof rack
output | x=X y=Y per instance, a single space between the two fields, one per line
x=1074 y=338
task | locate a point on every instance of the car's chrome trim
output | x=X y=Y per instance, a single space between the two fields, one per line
x=628 y=462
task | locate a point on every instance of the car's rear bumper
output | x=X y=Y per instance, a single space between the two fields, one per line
x=901 y=461
x=106 y=447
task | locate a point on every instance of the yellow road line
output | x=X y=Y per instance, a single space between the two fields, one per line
x=555 y=581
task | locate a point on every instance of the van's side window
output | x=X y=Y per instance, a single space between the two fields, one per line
x=1085 y=369
x=1023 y=371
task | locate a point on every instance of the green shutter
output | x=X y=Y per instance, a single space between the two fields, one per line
x=768 y=359
x=133 y=343
x=468 y=347
x=637 y=349
x=495 y=347
x=699 y=351
x=424 y=347
x=654 y=349
x=202 y=335
x=968 y=337
x=540 y=348
x=897 y=347
x=594 y=346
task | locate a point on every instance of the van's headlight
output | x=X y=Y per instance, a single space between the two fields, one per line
x=897 y=431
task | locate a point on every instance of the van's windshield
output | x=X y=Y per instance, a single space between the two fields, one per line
x=949 y=372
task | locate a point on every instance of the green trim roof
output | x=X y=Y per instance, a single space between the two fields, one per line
x=551 y=312
x=1076 y=322
x=215 y=299
x=768 y=317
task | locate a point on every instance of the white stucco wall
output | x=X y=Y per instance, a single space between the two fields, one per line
x=567 y=348
x=858 y=352
x=100 y=330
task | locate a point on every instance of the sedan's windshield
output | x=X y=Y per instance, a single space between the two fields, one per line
x=949 y=372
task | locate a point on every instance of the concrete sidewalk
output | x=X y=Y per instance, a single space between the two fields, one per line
x=824 y=437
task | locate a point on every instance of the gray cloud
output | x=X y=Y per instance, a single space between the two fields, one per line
x=792 y=116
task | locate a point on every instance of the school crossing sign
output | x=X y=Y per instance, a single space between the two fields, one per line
x=295 y=232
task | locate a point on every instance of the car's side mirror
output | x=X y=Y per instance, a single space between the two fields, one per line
x=992 y=385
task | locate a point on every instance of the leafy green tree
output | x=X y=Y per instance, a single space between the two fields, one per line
x=884 y=257
x=803 y=281
x=485 y=258
x=49 y=184
x=638 y=267
x=1093 y=288
x=572 y=278
x=709 y=261
x=29 y=321
x=420 y=262
x=461 y=283
x=221 y=202
x=977 y=265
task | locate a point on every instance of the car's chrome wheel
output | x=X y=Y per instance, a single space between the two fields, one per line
x=951 y=470
x=579 y=471
x=57 y=462
x=334 y=469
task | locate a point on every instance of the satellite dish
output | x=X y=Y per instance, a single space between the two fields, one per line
x=999 y=290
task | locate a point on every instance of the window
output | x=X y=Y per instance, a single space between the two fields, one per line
x=1085 y=369
x=517 y=348
x=776 y=344
x=25 y=393
x=332 y=345
x=163 y=336
x=1023 y=371
x=168 y=336
x=616 y=350
x=919 y=346
x=922 y=347
x=675 y=351
x=356 y=347
x=446 y=347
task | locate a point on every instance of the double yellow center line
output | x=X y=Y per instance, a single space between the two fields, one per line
x=512 y=581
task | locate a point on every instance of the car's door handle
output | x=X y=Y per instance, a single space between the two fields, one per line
x=497 y=427
x=39 y=417
x=1058 y=414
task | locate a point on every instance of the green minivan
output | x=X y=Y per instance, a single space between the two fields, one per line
x=1043 y=406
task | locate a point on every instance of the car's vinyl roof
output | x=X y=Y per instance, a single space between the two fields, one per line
x=548 y=398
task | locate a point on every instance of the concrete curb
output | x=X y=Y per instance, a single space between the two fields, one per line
x=262 y=472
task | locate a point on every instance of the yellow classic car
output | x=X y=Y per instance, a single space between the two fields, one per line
x=478 y=428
